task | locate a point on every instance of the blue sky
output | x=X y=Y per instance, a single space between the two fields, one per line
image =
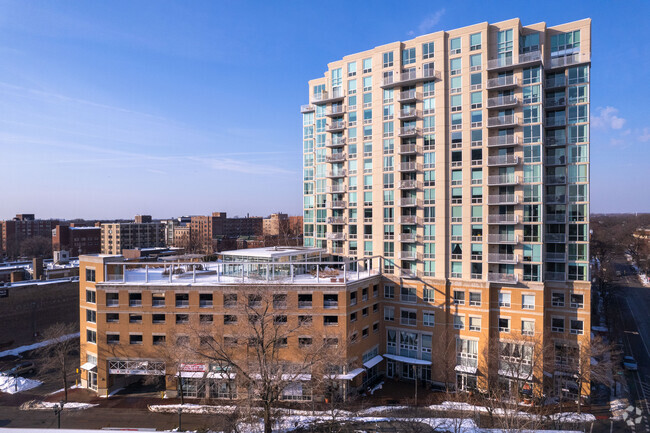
x=112 y=108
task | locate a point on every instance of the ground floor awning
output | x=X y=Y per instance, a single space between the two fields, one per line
x=465 y=369
x=192 y=374
x=516 y=374
x=374 y=361
x=407 y=360
x=88 y=366
x=221 y=376
x=350 y=375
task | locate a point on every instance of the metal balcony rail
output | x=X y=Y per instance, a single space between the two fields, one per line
x=494 y=83
x=408 y=237
x=555 y=160
x=503 y=160
x=555 y=257
x=555 y=238
x=571 y=59
x=408 y=95
x=502 y=238
x=408 y=148
x=555 y=102
x=324 y=97
x=556 y=180
x=503 y=199
x=408 y=166
x=553 y=122
x=558 y=81
x=335 y=126
x=335 y=157
x=500 y=121
x=408 y=201
x=503 y=140
x=502 y=101
x=337 y=220
x=503 y=219
x=494 y=277
x=409 y=130
x=503 y=258
x=554 y=276
x=337 y=236
x=409 y=219
x=503 y=179
x=337 y=173
x=336 y=189
x=335 y=142
x=335 y=110
x=306 y=108
x=408 y=112
x=408 y=184
x=336 y=204
x=556 y=198
x=408 y=255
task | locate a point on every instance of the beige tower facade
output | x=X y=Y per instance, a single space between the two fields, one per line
x=462 y=158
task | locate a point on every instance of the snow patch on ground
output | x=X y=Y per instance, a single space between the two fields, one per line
x=46 y=405
x=63 y=389
x=112 y=393
x=18 y=350
x=191 y=408
x=11 y=385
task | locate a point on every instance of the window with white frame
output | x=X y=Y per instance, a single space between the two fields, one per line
x=504 y=299
x=527 y=327
x=474 y=323
x=504 y=324
x=428 y=318
x=389 y=314
x=459 y=321
x=528 y=302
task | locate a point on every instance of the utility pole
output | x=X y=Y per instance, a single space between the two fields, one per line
x=415 y=369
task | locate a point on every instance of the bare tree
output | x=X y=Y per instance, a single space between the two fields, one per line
x=55 y=354
x=38 y=246
x=253 y=348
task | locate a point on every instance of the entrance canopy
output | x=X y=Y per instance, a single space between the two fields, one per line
x=89 y=366
x=465 y=369
x=407 y=360
x=374 y=361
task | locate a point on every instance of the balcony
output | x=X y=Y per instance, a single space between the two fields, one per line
x=503 y=199
x=553 y=141
x=327 y=97
x=407 y=149
x=504 y=179
x=335 y=142
x=556 y=257
x=336 y=204
x=336 y=236
x=337 y=220
x=407 y=273
x=502 y=101
x=408 y=166
x=336 y=157
x=408 y=184
x=507 y=239
x=408 y=113
x=571 y=59
x=408 y=219
x=336 y=189
x=408 y=202
x=555 y=122
x=555 y=199
x=409 y=131
x=410 y=77
x=494 y=277
x=503 y=121
x=307 y=108
x=510 y=62
x=555 y=83
x=500 y=160
x=555 y=238
x=558 y=102
x=336 y=173
x=408 y=95
x=502 y=82
x=335 y=126
x=407 y=255
x=338 y=250
x=556 y=218
x=503 y=258
x=335 y=110
x=408 y=237
x=503 y=140
x=503 y=219
x=554 y=276
x=556 y=160
x=555 y=180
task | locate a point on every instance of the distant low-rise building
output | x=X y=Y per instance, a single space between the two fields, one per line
x=77 y=240
x=277 y=224
x=22 y=227
x=119 y=236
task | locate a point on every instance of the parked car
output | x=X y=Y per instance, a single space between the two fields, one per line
x=25 y=367
x=630 y=363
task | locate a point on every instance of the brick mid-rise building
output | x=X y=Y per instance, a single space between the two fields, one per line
x=22 y=227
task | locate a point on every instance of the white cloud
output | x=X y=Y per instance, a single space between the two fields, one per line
x=645 y=135
x=607 y=118
x=428 y=23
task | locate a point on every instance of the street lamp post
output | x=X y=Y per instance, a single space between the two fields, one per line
x=180 y=411
x=57 y=411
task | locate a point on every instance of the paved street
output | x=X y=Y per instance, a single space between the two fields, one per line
x=633 y=304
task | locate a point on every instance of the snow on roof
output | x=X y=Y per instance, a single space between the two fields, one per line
x=272 y=252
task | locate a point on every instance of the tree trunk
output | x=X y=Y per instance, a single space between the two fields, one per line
x=268 y=426
x=65 y=379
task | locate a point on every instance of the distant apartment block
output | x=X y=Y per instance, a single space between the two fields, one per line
x=22 y=227
x=77 y=240
x=462 y=158
x=277 y=224
x=116 y=237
